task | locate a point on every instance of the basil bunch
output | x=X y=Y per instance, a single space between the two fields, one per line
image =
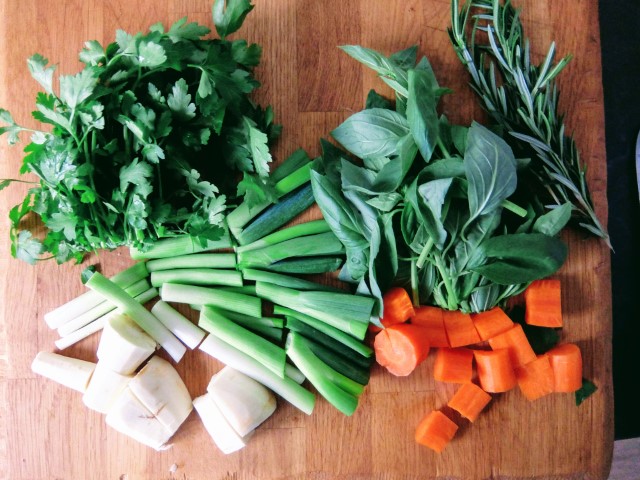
x=418 y=201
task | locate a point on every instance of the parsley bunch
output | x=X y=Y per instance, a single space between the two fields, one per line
x=148 y=140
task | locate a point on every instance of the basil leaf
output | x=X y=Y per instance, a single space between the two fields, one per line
x=391 y=73
x=552 y=222
x=372 y=133
x=490 y=169
x=375 y=100
x=521 y=258
x=421 y=112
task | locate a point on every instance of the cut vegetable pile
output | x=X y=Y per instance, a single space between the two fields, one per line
x=443 y=247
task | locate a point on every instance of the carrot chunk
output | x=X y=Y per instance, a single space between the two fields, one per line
x=491 y=322
x=460 y=329
x=516 y=343
x=398 y=307
x=401 y=348
x=543 y=306
x=435 y=431
x=453 y=365
x=431 y=318
x=495 y=370
x=469 y=400
x=566 y=362
x=535 y=379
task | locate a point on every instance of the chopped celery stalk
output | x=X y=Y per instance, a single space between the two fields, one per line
x=285 y=280
x=245 y=290
x=320 y=375
x=90 y=299
x=195 y=260
x=307 y=246
x=278 y=214
x=183 y=328
x=101 y=309
x=287 y=388
x=139 y=314
x=267 y=353
x=307 y=266
x=190 y=294
x=294 y=373
x=327 y=337
x=291 y=174
x=302 y=229
x=197 y=276
x=346 y=312
x=268 y=327
x=339 y=363
x=99 y=323
x=180 y=245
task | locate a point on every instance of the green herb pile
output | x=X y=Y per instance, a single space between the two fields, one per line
x=148 y=140
x=436 y=206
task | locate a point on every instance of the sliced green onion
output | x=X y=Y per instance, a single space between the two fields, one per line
x=139 y=314
x=346 y=312
x=98 y=324
x=287 y=388
x=190 y=294
x=285 y=281
x=307 y=266
x=195 y=260
x=197 y=276
x=183 y=328
x=180 y=245
x=270 y=355
x=320 y=375
x=90 y=299
x=102 y=309
x=300 y=230
x=307 y=246
x=277 y=215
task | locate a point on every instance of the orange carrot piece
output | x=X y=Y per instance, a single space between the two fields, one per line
x=469 y=400
x=536 y=379
x=495 y=370
x=398 y=307
x=566 y=362
x=401 y=348
x=435 y=431
x=432 y=319
x=491 y=322
x=543 y=306
x=460 y=329
x=453 y=365
x=516 y=342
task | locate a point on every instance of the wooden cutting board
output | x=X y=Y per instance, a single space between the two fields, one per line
x=45 y=431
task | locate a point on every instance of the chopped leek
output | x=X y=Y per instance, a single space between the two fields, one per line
x=299 y=230
x=197 y=276
x=267 y=353
x=139 y=314
x=268 y=327
x=345 y=365
x=90 y=299
x=189 y=294
x=180 y=245
x=195 y=260
x=321 y=376
x=188 y=333
x=285 y=281
x=349 y=313
x=288 y=389
x=308 y=266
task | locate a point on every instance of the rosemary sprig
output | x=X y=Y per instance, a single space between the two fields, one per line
x=523 y=98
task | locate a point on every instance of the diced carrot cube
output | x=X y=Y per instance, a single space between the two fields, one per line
x=491 y=322
x=469 y=400
x=453 y=365
x=460 y=329
x=435 y=431
x=517 y=344
x=432 y=320
x=543 y=304
x=535 y=379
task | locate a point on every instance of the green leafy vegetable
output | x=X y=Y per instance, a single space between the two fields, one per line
x=147 y=141
x=588 y=389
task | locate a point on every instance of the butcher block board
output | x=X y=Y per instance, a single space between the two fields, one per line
x=47 y=433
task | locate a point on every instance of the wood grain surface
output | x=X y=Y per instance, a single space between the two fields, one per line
x=45 y=431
